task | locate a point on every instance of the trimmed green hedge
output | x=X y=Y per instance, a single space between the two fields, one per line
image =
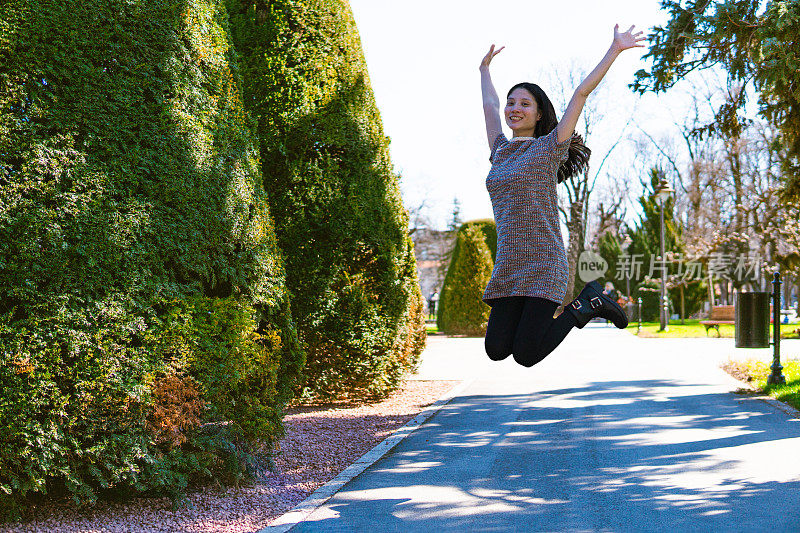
x=146 y=339
x=489 y=230
x=462 y=310
x=333 y=193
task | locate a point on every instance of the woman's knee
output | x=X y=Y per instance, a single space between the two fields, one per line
x=496 y=351
x=526 y=359
x=527 y=356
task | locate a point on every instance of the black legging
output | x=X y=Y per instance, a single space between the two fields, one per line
x=524 y=326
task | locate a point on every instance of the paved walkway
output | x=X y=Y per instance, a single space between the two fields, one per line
x=609 y=433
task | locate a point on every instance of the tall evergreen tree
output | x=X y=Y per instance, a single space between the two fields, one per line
x=609 y=247
x=140 y=277
x=646 y=243
x=339 y=215
x=646 y=236
x=455 y=217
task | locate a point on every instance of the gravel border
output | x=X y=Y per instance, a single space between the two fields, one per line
x=302 y=511
x=320 y=443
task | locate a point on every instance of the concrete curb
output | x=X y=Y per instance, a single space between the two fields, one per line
x=301 y=511
x=785 y=407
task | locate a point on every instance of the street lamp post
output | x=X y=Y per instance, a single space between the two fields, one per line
x=777 y=377
x=625 y=245
x=661 y=195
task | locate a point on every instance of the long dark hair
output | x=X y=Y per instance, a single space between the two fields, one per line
x=578 y=155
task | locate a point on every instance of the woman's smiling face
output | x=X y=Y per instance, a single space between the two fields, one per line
x=522 y=113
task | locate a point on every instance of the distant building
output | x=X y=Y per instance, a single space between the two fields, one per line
x=432 y=249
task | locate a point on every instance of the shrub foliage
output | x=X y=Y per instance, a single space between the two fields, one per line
x=145 y=330
x=462 y=310
x=489 y=230
x=335 y=198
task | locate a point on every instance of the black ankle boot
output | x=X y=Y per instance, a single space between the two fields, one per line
x=591 y=303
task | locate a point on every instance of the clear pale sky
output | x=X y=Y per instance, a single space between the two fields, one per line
x=423 y=58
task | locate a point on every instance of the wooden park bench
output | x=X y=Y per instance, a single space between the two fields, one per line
x=720 y=314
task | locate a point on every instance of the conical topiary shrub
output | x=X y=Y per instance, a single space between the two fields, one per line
x=339 y=216
x=145 y=333
x=470 y=270
x=489 y=230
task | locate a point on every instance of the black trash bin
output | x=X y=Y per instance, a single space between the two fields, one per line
x=752 y=320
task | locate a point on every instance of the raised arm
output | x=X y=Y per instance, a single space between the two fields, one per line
x=622 y=41
x=491 y=102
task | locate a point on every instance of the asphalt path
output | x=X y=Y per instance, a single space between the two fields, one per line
x=609 y=433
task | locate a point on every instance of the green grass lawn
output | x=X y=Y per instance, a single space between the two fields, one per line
x=693 y=328
x=756 y=372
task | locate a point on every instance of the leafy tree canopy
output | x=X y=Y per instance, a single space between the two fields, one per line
x=755 y=42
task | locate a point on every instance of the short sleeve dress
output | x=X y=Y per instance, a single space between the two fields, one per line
x=530 y=260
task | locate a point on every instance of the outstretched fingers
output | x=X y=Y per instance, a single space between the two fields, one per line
x=487 y=59
x=638 y=37
x=628 y=39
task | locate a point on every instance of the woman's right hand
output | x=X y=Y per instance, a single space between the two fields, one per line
x=489 y=56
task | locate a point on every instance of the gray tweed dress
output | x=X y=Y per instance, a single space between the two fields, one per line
x=531 y=260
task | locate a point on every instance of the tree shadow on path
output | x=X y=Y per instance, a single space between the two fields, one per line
x=642 y=455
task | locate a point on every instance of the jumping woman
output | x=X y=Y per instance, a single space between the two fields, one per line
x=529 y=280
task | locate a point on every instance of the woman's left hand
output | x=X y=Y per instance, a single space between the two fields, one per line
x=623 y=41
